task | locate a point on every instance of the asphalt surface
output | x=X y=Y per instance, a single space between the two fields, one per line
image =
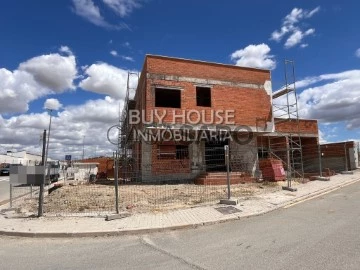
x=322 y=233
x=4 y=188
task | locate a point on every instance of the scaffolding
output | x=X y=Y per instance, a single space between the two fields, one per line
x=124 y=134
x=124 y=127
x=287 y=145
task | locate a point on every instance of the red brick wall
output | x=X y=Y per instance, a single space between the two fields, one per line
x=336 y=149
x=165 y=166
x=310 y=149
x=197 y=69
x=106 y=165
x=305 y=126
x=248 y=104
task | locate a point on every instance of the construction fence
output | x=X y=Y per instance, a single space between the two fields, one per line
x=168 y=177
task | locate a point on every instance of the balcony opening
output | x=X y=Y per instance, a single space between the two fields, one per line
x=203 y=96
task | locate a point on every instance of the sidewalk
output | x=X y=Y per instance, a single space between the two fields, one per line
x=177 y=219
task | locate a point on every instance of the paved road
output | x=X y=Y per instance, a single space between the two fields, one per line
x=323 y=233
x=4 y=188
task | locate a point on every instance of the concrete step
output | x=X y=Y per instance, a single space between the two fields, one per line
x=216 y=175
x=220 y=178
x=223 y=181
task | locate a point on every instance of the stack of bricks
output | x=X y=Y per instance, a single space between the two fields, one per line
x=272 y=169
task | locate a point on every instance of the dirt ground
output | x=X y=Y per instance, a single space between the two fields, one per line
x=94 y=198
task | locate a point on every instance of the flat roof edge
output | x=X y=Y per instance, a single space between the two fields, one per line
x=205 y=62
x=300 y=119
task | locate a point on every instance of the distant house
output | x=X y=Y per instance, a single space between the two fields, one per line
x=22 y=157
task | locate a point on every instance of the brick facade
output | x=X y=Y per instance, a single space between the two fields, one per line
x=246 y=91
x=205 y=70
x=306 y=126
x=164 y=160
x=232 y=88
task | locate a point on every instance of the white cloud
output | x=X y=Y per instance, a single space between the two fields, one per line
x=68 y=128
x=114 y=53
x=30 y=82
x=353 y=123
x=322 y=136
x=357 y=53
x=307 y=81
x=290 y=27
x=105 y=79
x=294 y=39
x=304 y=45
x=256 y=56
x=297 y=37
x=127 y=44
x=52 y=104
x=332 y=98
x=66 y=50
x=90 y=12
x=309 y=32
x=122 y=7
x=17 y=89
x=53 y=71
x=128 y=58
x=34 y=79
x=312 y=12
x=97 y=112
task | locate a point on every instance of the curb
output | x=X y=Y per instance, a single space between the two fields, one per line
x=172 y=228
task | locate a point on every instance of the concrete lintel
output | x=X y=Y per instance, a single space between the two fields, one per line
x=204 y=81
x=283 y=134
x=204 y=85
x=231 y=201
x=168 y=87
x=199 y=127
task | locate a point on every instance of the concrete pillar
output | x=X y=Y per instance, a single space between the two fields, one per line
x=244 y=157
x=146 y=161
x=353 y=158
x=197 y=157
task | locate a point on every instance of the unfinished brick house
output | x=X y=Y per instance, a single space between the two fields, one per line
x=186 y=93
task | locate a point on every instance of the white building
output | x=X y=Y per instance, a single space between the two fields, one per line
x=82 y=171
x=22 y=157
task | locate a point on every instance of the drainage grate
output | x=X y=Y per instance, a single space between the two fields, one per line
x=227 y=210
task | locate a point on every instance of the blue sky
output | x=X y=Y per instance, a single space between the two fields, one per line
x=75 y=54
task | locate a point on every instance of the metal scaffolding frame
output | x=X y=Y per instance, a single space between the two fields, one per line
x=124 y=126
x=285 y=107
x=124 y=134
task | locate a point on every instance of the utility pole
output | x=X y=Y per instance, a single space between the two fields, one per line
x=42 y=184
x=48 y=139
